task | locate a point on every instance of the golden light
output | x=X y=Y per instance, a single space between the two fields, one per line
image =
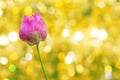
x=15 y=10
x=2 y=4
x=42 y=7
x=79 y=68
x=23 y=61
x=64 y=77
x=83 y=40
x=112 y=1
x=108 y=68
x=96 y=43
x=28 y=10
x=71 y=71
x=5 y=79
x=51 y=10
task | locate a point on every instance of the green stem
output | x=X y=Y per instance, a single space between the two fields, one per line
x=41 y=62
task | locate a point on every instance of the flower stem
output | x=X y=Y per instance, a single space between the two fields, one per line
x=41 y=62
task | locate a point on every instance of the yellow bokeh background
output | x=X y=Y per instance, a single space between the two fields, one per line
x=83 y=41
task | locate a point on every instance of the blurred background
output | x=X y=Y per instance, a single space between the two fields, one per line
x=83 y=41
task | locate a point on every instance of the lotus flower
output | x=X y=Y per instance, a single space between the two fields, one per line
x=33 y=29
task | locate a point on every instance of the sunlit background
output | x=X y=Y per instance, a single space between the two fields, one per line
x=83 y=41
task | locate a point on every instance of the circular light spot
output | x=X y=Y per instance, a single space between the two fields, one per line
x=101 y=4
x=28 y=10
x=72 y=54
x=1 y=12
x=42 y=7
x=23 y=61
x=68 y=59
x=51 y=10
x=65 y=33
x=3 y=40
x=94 y=32
x=108 y=75
x=28 y=56
x=79 y=68
x=12 y=68
x=71 y=71
x=4 y=60
x=3 y=4
x=77 y=36
x=47 y=49
x=108 y=68
x=13 y=36
x=102 y=35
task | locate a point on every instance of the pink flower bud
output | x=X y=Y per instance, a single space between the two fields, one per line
x=33 y=29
